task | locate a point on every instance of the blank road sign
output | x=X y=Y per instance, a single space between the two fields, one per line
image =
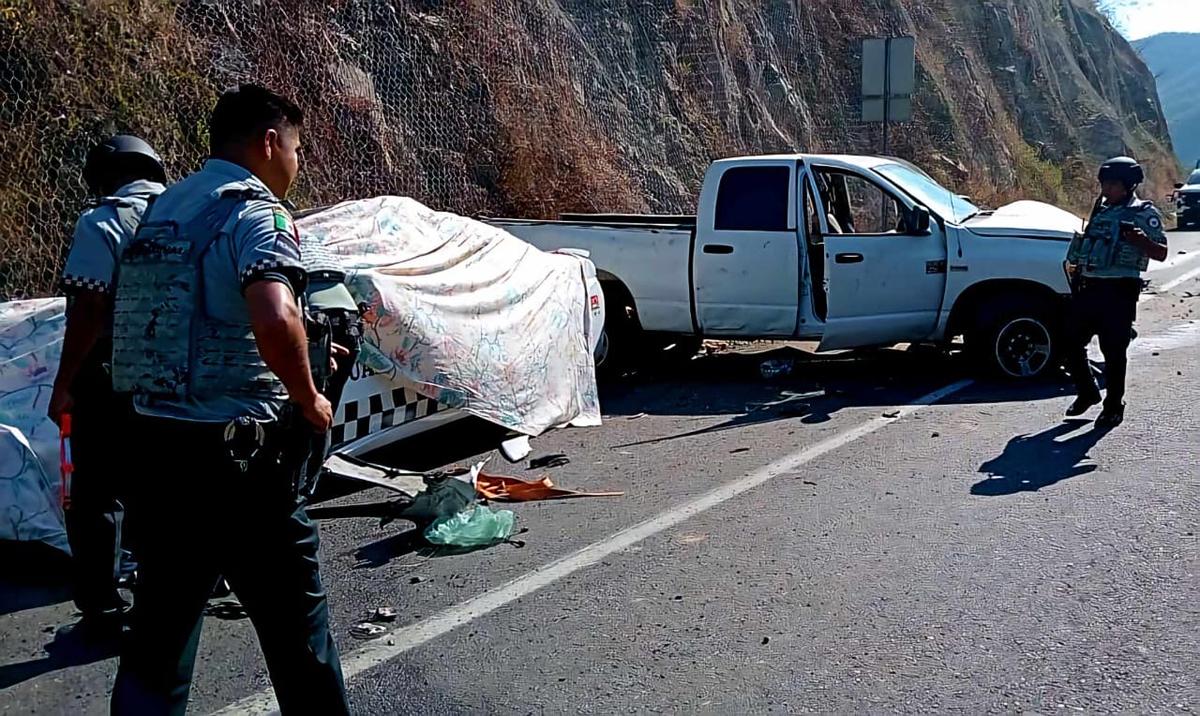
x=888 y=79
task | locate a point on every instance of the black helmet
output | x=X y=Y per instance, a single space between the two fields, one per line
x=122 y=154
x=1123 y=169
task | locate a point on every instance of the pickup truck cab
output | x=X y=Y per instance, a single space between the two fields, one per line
x=1187 y=202
x=850 y=251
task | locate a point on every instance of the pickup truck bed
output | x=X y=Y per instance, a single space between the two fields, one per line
x=654 y=253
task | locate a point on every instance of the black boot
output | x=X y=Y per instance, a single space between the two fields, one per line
x=1111 y=416
x=1083 y=403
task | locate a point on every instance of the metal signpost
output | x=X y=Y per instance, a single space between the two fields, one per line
x=888 y=78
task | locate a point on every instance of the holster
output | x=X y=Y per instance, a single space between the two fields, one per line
x=287 y=452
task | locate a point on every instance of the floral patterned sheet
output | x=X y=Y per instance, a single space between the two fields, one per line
x=30 y=345
x=467 y=314
x=459 y=311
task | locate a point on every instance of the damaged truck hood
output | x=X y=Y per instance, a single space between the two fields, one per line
x=1029 y=219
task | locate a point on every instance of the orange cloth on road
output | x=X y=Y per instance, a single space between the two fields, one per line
x=512 y=489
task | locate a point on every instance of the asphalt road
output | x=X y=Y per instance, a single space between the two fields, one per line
x=876 y=531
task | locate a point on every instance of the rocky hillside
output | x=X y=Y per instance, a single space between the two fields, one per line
x=533 y=107
x=1173 y=58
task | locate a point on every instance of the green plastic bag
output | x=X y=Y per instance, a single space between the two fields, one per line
x=478 y=527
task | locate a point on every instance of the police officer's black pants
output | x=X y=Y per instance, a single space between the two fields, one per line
x=202 y=517
x=1104 y=308
x=96 y=516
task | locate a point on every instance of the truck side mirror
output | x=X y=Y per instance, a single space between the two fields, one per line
x=1179 y=185
x=918 y=220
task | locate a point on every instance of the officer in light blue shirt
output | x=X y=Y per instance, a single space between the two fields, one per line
x=209 y=336
x=257 y=242
x=125 y=173
x=1106 y=263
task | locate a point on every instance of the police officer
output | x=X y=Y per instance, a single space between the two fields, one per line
x=209 y=336
x=124 y=173
x=1106 y=263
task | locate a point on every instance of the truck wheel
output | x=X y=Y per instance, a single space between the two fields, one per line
x=1015 y=339
x=619 y=338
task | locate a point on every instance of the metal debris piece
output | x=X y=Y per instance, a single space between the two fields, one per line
x=549 y=461
x=384 y=614
x=367 y=630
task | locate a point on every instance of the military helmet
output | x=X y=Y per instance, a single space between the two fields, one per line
x=1123 y=169
x=123 y=153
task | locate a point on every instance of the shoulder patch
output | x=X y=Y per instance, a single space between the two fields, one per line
x=284 y=224
x=1154 y=222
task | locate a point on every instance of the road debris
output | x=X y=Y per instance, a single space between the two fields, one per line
x=892 y=414
x=511 y=489
x=384 y=614
x=479 y=526
x=639 y=416
x=367 y=630
x=738 y=450
x=788 y=402
x=549 y=461
x=516 y=449
x=770 y=369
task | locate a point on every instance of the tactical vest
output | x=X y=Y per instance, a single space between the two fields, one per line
x=129 y=212
x=165 y=345
x=1102 y=251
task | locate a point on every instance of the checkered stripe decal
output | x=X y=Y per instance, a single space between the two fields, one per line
x=262 y=266
x=379 y=411
x=88 y=284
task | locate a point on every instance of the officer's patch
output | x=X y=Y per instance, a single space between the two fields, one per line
x=1154 y=222
x=282 y=222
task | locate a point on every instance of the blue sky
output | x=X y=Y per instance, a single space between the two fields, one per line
x=1141 y=18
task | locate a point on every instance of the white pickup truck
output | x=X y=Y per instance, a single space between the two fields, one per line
x=852 y=251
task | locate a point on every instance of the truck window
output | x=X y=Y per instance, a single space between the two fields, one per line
x=858 y=205
x=753 y=199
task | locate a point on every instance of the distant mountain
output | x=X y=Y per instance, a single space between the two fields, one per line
x=1173 y=57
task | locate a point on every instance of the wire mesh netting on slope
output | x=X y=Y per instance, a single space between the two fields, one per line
x=536 y=107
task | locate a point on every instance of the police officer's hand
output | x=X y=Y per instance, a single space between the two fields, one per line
x=335 y=353
x=1134 y=234
x=318 y=412
x=61 y=403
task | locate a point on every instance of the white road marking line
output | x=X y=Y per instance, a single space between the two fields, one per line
x=405 y=638
x=1176 y=260
x=1180 y=280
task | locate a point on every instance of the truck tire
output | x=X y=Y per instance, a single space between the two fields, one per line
x=1015 y=338
x=618 y=345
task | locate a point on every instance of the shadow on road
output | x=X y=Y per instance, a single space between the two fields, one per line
x=1031 y=462
x=412 y=541
x=34 y=575
x=72 y=646
x=818 y=386
x=380 y=552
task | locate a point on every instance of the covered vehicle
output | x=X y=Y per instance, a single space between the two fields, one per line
x=461 y=319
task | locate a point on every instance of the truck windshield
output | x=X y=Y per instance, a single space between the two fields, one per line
x=925 y=190
x=1194 y=179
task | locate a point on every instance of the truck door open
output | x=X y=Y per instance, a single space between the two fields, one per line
x=886 y=279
